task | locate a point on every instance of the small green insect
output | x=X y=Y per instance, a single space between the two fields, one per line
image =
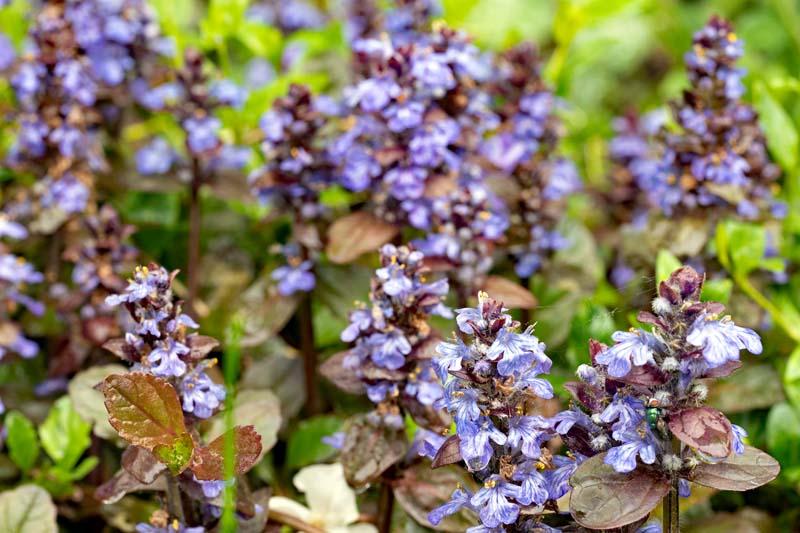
x=653 y=415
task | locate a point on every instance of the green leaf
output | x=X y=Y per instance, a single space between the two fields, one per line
x=83 y=468
x=64 y=434
x=23 y=445
x=305 y=444
x=177 y=454
x=778 y=127
x=717 y=290
x=145 y=411
x=741 y=246
x=666 y=264
x=158 y=209
x=27 y=509
x=262 y=40
x=783 y=434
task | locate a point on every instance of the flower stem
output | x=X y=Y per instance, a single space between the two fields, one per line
x=306 y=318
x=671 y=508
x=750 y=290
x=174 y=503
x=385 y=507
x=195 y=222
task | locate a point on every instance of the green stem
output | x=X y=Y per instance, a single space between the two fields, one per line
x=750 y=290
x=174 y=503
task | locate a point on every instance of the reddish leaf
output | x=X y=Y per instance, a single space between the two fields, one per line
x=145 y=411
x=420 y=490
x=745 y=471
x=646 y=376
x=208 y=463
x=704 y=429
x=141 y=464
x=604 y=499
x=724 y=370
x=200 y=346
x=427 y=416
x=427 y=348
x=336 y=373
x=355 y=234
x=99 y=329
x=123 y=483
x=368 y=451
x=513 y=295
x=121 y=349
x=449 y=452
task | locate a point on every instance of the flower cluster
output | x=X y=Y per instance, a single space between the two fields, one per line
x=82 y=53
x=159 y=341
x=414 y=123
x=647 y=388
x=15 y=274
x=101 y=257
x=465 y=226
x=491 y=377
x=633 y=156
x=296 y=169
x=524 y=148
x=717 y=158
x=392 y=341
x=191 y=97
x=295 y=173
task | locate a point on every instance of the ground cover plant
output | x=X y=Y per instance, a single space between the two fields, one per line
x=408 y=265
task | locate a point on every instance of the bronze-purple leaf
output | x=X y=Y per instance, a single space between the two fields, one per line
x=142 y=464
x=704 y=429
x=449 y=452
x=745 y=471
x=368 y=451
x=200 y=346
x=420 y=490
x=344 y=378
x=144 y=409
x=121 y=349
x=604 y=499
x=513 y=295
x=123 y=483
x=356 y=234
x=208 y=462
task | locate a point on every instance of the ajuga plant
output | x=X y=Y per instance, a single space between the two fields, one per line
x=101 y=257
x=157 y=406
x=525 y=148
x=66 y=87
x=466 y=226
x=390 y=360
x=639 y=412
x=715 y=159
x=492 y=377
x=189 y=96
x=15 y=275
x=413 y=124
x=295 y=173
